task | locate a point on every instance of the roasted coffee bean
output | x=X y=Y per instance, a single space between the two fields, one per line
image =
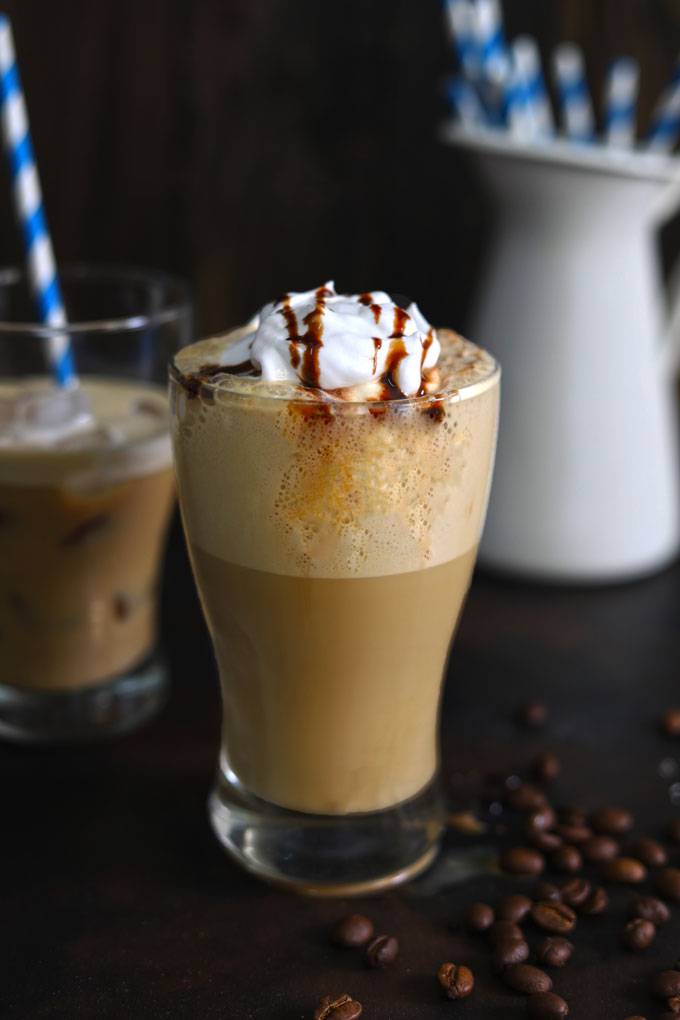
x=546 y=767
x=554 y=951
x=522 y=860
x=674 y=1005
x=673 y=831
x=513 y=908
x=337 y=1007
x=479 y=917
x=627 y=870
x=568 y=815
x=455 y=982
x=531 y=715
x=576 y=891
x=600 y=848
x=554 y=917
x=544 y=840
x=527 y=979
x=668 y=883
x=502 y=930
x=547 y=1006
x=524 y=797
x=508 y=952
x=638 y=934
x=382 y=951
x=665 y=984
x=351 y=931
x=649 y=852
x=597 y=903
x=611 y=821
x=649 y=908
x=567 y=858
x=574 y=833
x=670 y=722
x=543 y=817
x=547 y=891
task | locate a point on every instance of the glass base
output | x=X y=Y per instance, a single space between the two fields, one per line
x=327 y=855
x=114 y=707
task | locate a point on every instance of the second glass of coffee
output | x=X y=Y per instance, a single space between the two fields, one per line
x=333 y=460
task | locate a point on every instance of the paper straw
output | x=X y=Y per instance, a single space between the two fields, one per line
x=491 y=41
x=620 y=102
x=461 y=21
x=665 y=127
x=42 y=271
x=529 y=109
x=465 y=102
x=577 y=109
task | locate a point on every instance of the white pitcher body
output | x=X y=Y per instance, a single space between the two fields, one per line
x=586 y=485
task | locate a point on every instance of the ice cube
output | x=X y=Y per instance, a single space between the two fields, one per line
x=43 y=414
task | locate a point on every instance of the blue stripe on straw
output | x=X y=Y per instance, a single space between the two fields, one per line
x=32 y=220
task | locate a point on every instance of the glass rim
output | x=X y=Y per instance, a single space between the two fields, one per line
x=464 y=392
x=114 y=273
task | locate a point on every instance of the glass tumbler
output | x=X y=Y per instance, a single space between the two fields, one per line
x=86 y=493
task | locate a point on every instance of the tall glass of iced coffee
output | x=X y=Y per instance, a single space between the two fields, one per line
x=86 y=490
x=333 y=459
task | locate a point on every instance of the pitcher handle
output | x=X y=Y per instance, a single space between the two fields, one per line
x=666 y=207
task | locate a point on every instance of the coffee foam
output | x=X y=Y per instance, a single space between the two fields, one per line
x=126 y=435
x=334 y=490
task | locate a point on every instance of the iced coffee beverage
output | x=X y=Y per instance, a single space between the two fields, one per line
x=333 y=460
x=86 y=489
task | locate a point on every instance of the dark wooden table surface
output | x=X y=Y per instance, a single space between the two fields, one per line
x=117 y=902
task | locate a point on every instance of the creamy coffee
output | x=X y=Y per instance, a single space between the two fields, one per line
x=333 y=483
x=86 y=489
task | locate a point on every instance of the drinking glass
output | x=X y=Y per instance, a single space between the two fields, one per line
x=84 y=511
x=332 y=545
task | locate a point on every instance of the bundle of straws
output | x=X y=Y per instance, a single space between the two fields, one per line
x=501 y=85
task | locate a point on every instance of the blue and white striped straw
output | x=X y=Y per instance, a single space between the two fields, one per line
x=620 y=102
x=529 y=110
x=462 y=24
x=665 y=128
x=42 y=270
x=576 y=106
x=465 y=102
x=491 y=41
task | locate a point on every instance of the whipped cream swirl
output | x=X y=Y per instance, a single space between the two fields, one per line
x=336 y=341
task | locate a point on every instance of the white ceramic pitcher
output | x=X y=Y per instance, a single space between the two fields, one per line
x=586 y=484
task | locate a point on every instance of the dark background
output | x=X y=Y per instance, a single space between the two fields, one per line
x=258 y=146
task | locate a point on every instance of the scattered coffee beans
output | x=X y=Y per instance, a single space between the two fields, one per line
x=576 y=891
x=674 y=1004
x=507 y=952
x=543 y=840
x=574 y=833
x=455 y=982
x=543 y=817
x=638 y=934
x=569 y=815
x=554 y=917
x=567 y=858
x=547 y=891
x=546 y=767
x=611 y=821
x=351 y=931
x=597 y=903
x=382 y=951
x=522 y=860
x=524 y=797
x=670 y=722
x=649 y=908
x=627 y=870
x=337 y=1007
x=531 y=715
x=649 y=852
x=554 y=951
x=665 y=984
x=501 y=930
x=600 y=848
x=513 y=908
x=526 y=979
x=479 y=917
x=668 y=883
x=547 y=1006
